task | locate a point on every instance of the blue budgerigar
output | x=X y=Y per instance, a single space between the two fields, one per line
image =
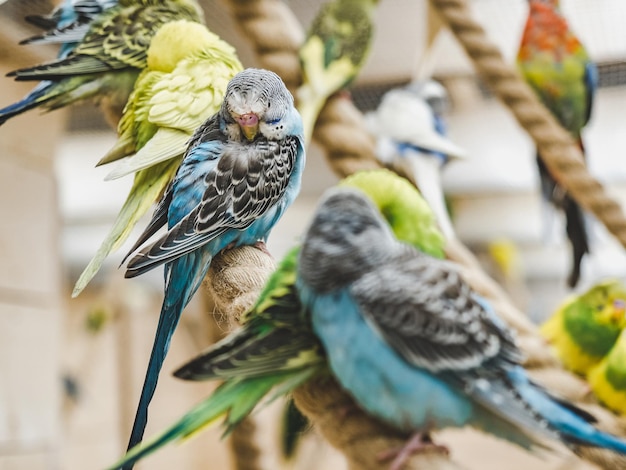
x=241 y=171
x=68 y=23
x=414 y=345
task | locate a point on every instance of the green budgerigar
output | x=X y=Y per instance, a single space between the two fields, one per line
x=276 y=348
x=608 y=379
x=558 y=68
x=106 y=62
x=585 y=328
x=188 y=69
x=332 y=55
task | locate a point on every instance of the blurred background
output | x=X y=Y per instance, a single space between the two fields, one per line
x=71 y=369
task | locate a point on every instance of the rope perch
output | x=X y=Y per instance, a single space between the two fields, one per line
x=276 y=35
x=557 y=148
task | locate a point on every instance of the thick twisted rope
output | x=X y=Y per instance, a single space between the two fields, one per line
x=556 y=146
x=233 y=284
x=272 y=28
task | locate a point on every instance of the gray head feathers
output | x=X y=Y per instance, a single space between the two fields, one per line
x=346 y=238
x=258 y=91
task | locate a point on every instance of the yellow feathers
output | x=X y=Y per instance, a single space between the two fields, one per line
x=188 y=70
x=608 y=379
x=585 y=328
x=175 y=41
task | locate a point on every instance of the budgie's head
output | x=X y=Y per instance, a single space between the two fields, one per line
x=347 y=238
x=608 y=301
x=595 y=319
x=175 y=41
x=257 y=102
x=403 y=207
x=552 y=4
x=433 y=92
x=545 y=15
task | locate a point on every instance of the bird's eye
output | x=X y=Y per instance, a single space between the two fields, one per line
x=273 y=121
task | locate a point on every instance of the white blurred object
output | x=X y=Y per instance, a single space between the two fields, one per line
x=410 y=137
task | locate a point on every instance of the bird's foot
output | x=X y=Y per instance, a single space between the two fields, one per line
x=343 y=411
x=419 y=442
x=260 y=245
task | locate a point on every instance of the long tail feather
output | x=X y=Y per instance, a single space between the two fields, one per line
x=42 y=21
x=576 y=232
x=64 y=68
x=576 y=229
x=426 y=172
x=36 y=97
x=148 y=186
x=574 y=425
x=578 y=237
x=294 y=425
x=231 y=395
x=170 y=314
x=184 y=277
x=234 y=399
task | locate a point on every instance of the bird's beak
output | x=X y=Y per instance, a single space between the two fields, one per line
x=619 y=309
x=249 y=124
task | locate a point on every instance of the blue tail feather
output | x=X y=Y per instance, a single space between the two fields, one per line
x=574 y=425
x=606 y=441
x=35 y=98
x=170 y=315
x=184 y=277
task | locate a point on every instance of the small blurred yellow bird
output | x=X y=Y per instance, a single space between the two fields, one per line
x=585 y=327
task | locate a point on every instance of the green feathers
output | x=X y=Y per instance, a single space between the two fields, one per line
x=234 y=399
x=332 y=55
x=275 y=348
x=586 y=327
x=408 y=214
x=608 y=378
x=188 y=70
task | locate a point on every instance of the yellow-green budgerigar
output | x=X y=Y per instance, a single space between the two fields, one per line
x=188 y=69
x=276 y=348
x=105 y=62
x=585 y=327
x=608 y=378
x=333 y=53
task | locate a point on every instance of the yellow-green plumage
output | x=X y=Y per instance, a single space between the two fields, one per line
x=188 y=71
x=608 y=379
x=106 y=62
x=332 y=55
x=395 y=197
x=585 y=327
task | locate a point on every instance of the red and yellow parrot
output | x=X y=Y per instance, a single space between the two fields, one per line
x=556 y=65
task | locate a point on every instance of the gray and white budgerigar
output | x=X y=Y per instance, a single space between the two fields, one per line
x=411 y=138
x=242 y=169
x=415 y=346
